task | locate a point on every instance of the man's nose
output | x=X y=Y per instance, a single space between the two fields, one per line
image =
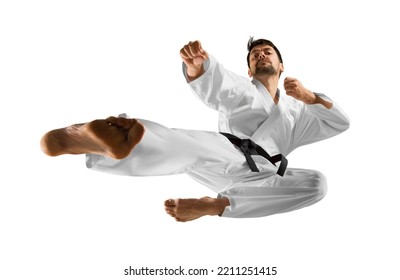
x=261 y=55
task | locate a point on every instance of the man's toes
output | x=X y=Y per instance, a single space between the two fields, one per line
x=136 y=133
x=171 y=213
x=124 y=123
x=169 y=203
x=121 y=122
x=112 y=120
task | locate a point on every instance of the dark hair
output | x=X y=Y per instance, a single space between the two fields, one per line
x=251 y=44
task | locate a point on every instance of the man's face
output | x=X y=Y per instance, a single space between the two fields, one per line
x=264 y=61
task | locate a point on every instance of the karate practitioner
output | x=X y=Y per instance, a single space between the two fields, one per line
x=246 y=164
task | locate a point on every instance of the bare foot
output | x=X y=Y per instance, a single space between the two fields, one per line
x=112 y=137
x=184 y=210
x=116 y=136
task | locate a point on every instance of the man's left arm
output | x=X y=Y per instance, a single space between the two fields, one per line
x=319 y=118
x=295 y=89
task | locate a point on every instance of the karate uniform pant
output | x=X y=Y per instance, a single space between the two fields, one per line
x=209 y=158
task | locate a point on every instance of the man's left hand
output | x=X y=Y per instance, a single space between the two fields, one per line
x=295 y=89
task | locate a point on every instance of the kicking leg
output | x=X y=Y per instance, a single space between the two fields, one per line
x=167 y=151
x=184 y=210
x=112 y=137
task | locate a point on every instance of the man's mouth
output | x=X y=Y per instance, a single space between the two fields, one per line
x=262 y=62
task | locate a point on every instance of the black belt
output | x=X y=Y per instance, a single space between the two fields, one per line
x=248 y=147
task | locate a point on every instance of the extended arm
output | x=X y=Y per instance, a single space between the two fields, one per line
x=215 y=86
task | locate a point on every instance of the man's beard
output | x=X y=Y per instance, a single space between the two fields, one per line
x=265 y=70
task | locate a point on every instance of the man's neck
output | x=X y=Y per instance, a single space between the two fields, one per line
x=271 y=84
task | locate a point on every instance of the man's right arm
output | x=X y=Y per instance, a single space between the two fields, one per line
x=217 y=87
x=193 y=56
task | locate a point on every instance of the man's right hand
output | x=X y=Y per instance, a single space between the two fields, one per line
x=194 y=56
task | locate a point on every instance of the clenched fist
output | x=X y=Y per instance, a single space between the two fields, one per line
x=194 y=56
x=295 y=89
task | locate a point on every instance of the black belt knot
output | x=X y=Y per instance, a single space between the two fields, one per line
x=249 y=148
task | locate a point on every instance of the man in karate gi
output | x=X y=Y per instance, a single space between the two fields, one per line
x=245 y=164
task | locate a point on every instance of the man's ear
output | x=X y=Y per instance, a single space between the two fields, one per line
x=249 y=72
x=282 y=68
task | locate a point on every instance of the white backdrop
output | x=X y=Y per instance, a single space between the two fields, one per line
x=64 y=62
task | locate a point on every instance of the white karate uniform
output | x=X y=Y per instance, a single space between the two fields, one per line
x=248 y=112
